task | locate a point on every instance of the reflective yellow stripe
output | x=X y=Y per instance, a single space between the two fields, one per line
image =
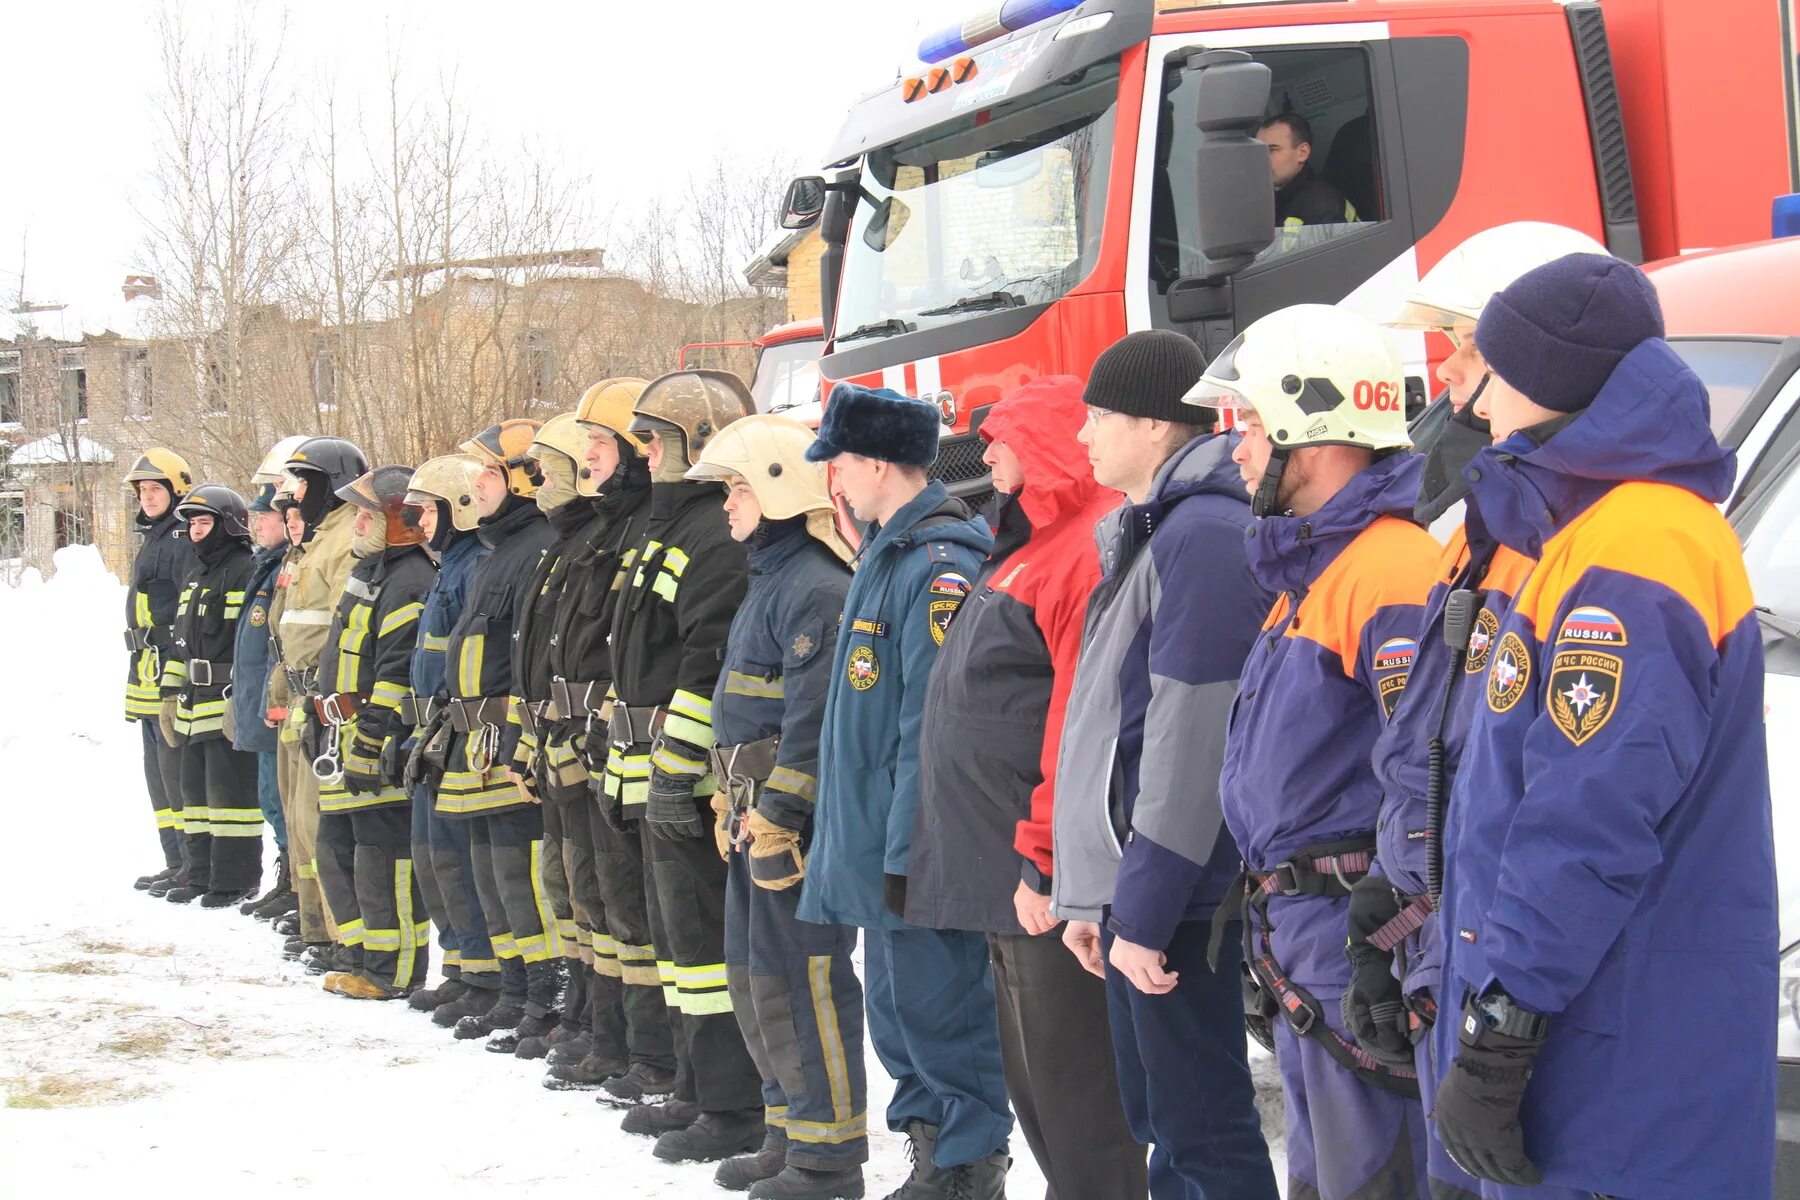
x=503 y=944
x=469 y=664
x=141 y=610
x=388 y=694
x=350 y=933
x=830 y=1133
x=403 y=905
x=665 y=586
x=553 y=947
x=350 y=646
x=399 y=619
x=665 y=759
x=739 y=684
x=697 y=734
x=167 y=818
x=775 y=1115
x=794 y=783
x=675 y=562
x=480 y=966
x=650 y=549
x=241 y=816
x=307 y=870
x=831 y=1039
x=432 y=641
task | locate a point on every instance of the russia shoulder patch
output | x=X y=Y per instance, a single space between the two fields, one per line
x=951 y=583
x=1592 y=626
x=1396 y=654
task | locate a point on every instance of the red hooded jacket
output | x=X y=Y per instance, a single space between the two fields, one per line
x=1000 y=684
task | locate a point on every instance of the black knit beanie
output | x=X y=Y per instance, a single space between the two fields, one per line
x=1145 y=374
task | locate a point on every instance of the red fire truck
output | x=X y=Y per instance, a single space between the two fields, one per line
x=1058 y=172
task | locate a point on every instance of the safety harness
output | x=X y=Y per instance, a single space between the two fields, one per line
x=741 y=771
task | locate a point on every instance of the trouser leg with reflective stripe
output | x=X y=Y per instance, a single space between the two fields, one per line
x=450 y=886
x=396 y=933
x=160 y=762
x=517 y=850
x=689 y=882
x=493 y=910
x=665 y=968
x=196 y=828
x=336 y=856
x=300 y=805
x=625 y=936
x=268 y=796
x=425 y=873
x=799 y=1006
x=555 y=872
x=234 y=815
x=598 y=952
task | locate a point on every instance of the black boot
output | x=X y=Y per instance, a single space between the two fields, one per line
x=737 y=1174
x=530 y=1030
x=712 y=1136
x=583 y=1076
x=224 y=899
x=281 y=887
x=573 y=1049
x=983 y=1179
x=287 y=924
x=187 y=893
x=166 y=882
x=640 y=1085
x=472 y=1003
x=802 y=1183
x=654 y=1120
x=926 y=1181
x=322 y=958
x=505 y=1014
x=146 y=882
x=428 y=999
x=293 y=948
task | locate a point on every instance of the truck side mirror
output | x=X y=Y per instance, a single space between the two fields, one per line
x=1235 y=193
x=804 y=201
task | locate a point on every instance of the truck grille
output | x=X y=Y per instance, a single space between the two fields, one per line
x=959 y=465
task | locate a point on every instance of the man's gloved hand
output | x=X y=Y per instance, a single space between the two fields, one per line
x=776 y=861
x=1477 y=1109
x=1374 y=1006
x=671 y=810
x=396 y=756
x=165 y=721
x=721 y=806
x=360 y=783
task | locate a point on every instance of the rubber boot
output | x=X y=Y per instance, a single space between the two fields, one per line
x=187 y=893
x=737 y=1174
x=472 y=1003
x=428 y=999
x=641 y=1084
x=166 y=882
x=225 y=899
x=654 y=1120
x=800 y=1183
x=527 y=1035
x=712 y=1136
x=146 y=882
x=570 y=1051
x=506 y=1013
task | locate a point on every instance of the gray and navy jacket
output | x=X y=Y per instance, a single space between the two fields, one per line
x=778 y=666
x=1140 y=838
x=254 y=655
x=927 y=555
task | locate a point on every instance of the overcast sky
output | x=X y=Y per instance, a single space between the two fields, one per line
x=657 y=87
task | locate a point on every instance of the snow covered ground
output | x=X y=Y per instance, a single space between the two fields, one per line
x=143 y=1043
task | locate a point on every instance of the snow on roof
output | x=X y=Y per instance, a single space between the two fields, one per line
x=93 y=315
x=53 y=450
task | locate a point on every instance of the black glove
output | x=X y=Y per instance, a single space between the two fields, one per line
x=396 y=755
x=672 y=811
x=1373 y=1006
x=357 y=783
x=1477 y=1109
x=893 y=894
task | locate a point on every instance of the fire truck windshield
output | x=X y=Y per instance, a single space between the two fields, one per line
x=997 y=208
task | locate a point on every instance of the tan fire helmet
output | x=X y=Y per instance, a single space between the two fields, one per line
x=768 y=452
x=508 y=446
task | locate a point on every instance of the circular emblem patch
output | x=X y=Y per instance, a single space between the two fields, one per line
x=1481 y=641
x=1511 y=673
x=259 y=617
x=864 y=668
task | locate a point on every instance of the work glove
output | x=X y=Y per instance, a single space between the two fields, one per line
x=721 y=806
x=359 y=782
x=1374 y=1007
x=671 y=810
x=230 y=720
x=396 y=753
x=165 y=721
x=893 y=894
x=1477 y=1109
x=776 y=861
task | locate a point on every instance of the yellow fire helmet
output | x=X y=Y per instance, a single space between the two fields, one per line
x=450 y=479
x=564 y=435
x=1457 y=289
x=608 y=404
x=164 y=466
x=688 y=409
x=274 y=463
x=768 y=452
x=508 y=446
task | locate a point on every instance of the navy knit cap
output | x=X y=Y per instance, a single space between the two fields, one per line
x=877 y=423
x=1559 y=331
x=264 y=500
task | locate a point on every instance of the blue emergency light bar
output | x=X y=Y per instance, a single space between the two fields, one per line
x=1010 y=16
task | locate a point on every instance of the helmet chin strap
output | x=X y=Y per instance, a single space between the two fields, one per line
x=1264 y=502
x=1486 y=377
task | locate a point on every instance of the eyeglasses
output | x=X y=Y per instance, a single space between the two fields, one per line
x=1095 y=413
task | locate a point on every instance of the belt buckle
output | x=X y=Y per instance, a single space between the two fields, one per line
x=200 y=673
x=1287 y=878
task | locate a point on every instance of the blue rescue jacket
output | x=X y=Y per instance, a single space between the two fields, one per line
x=443 y=607
x=912 y=576
x=1610 y=861
x=254 y=656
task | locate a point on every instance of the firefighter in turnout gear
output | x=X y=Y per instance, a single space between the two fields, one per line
x=365 y=825
x=793 y=989
x=306 y=594
x=630 y=1041
x=222 y=821
x=443 y=490
x=506 y=825
x=1321 y=396
x=158 y=480
x=568 y=505
x=683 y=579
x=1394 y=942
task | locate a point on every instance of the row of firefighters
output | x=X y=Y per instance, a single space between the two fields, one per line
x=1212 y=702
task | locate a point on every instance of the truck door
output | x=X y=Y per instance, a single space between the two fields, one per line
x=1385 y=119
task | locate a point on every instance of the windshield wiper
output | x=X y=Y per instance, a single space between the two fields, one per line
x=887 y=328
x=1786 y=626
x=985 y=300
